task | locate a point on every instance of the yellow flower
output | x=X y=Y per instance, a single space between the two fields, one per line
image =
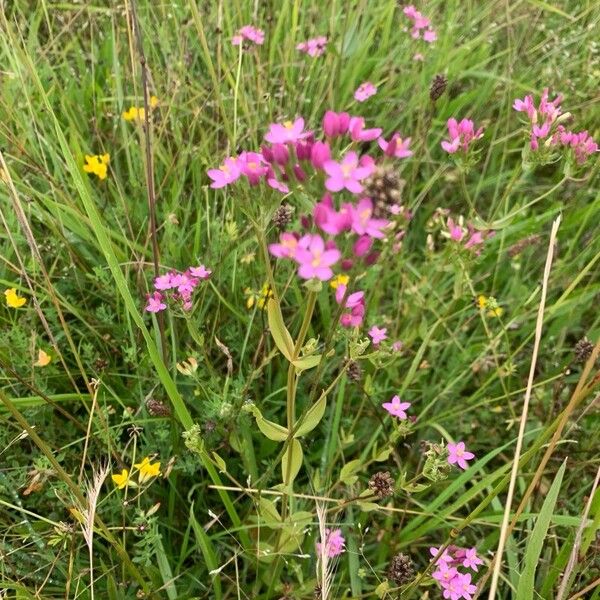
x=43 y=359
x=13 y=300
x=259 y=297
x=339 y=280
x=147 y=469
x=491 y=304
x=97 y=164
x=153 y=101
x=121 y=480
x=139 y=114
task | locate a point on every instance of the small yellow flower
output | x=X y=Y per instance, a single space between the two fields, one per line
x=133 y=114
x=260 y=298
x=188 y=367
x=121 y=480
x=13 y=300
x=339 y=280
x=153 y=101
x=147 y=469
x=491 y=304
x=97 y=164
x=43 y=359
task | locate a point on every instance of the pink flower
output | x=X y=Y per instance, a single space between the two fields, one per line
x=364 y=91
x=278 y=185
x=362 y=245
x=358 y=132
x=471 y=560
x=200 y=272
x=247 y=32
x=363 y=222
x=397 y=146
x=288 y=244
x=396 y=407
x=347 y=174
x=444 y=558
x=461 y=135
x=313 y=47
x=458 y=454
x=163 y=282
x=377 y=335
x=328 y=219
x=456 y=232
x=418 y=57
x=452 y=589
x=287 y=132
x=397 y=346
x=464 y=585
x=430 y=35
x=155 y=303
x=526 y=105
x=581 y=143
x=227 y=173
x=444 y=574
x=253 y=166
x=355 y=302
x=320 y=153
x=335 y=124
x=315 y=260
x=334 y=543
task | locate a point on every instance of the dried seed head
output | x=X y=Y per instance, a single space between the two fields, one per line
x=384 y=187
x=583 y=350
x=382 y=484
x=401 y=569
x=283 y=216
x=157 y=408
x=354 y=371
x=438 y=87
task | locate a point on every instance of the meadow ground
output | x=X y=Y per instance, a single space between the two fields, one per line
x=344 y=364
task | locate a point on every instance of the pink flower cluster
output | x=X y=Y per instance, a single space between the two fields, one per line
x=365 y=91
x=313 y=47
x=250 y=34
x=421 y=25
x=334 y=543
x=462 y=134
x=469 y=237
x=543 y=119
x=455 y=585
x=180 y=286
x=582 y=143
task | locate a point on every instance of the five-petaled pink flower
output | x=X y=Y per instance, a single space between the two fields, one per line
x=471 y=560
x=287 y=132
x=459 y=455
x=461 y=135
x=227 y=173
x=397 y=408
x=358 y=133
x=201 y=272
x=334 y=543
x=364 y=91
x=315 y=259
x=346 y=174
x=377 y=334
x=397 y=146
x=363 y=221
x=313 y=47
x=287 y=246
x=155 y=303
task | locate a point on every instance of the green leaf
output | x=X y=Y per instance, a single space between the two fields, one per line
x=307 y=362
x=269 y=512
x=347 y=474
x=533 y=552
x=273 y=431
x=220 y=462
x=313 y=417
x=292 y=459
x=281 y=336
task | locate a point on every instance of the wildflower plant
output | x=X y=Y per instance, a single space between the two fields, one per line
x=302 y=328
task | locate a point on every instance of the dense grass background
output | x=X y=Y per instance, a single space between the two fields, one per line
x=79 y=250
